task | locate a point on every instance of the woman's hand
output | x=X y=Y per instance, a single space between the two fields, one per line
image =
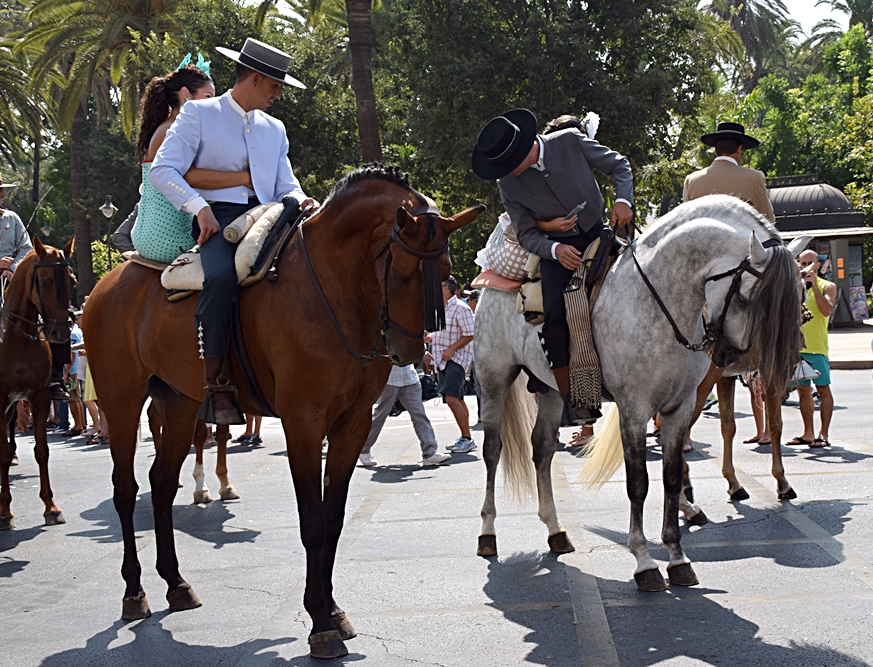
x=559 y=224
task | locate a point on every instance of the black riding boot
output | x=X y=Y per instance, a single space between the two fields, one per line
x=572 y=416
x=225 y=409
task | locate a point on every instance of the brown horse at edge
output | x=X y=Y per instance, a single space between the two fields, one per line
x=39 y=289
x=366 y=252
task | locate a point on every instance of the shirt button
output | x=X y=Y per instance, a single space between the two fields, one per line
x=248 y=129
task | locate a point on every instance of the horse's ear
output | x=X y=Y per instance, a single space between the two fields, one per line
x=798 y=245
x=68 y=249
x=39 y=247
x=403 y=217
x=464 y=217
x=756 y=251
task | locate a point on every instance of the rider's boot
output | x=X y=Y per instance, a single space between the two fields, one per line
x=56 y=386
x=225 y=409
x=572 y=416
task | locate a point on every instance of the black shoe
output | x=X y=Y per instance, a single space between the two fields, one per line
x=573 y=416
x=58 y=392
x=254 y=440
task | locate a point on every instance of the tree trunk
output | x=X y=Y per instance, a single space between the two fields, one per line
x=81 y=222
x=361 y=46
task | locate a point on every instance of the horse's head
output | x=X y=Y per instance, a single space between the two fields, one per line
x=50 y=283
x=412 y=267
x=755 y=307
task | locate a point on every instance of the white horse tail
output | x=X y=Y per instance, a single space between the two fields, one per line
x=604 y=452
x=516 y=427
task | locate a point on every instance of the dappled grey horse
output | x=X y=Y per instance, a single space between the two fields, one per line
x=706 y=254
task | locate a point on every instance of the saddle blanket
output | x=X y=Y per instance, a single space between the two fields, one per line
x=253 y=227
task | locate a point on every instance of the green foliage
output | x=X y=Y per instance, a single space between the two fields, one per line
x=104 y=261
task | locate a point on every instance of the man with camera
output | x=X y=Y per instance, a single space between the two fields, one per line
x=821 y=297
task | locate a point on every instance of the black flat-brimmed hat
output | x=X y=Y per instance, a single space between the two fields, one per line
x=730 y=131
x=264 y=59
x=503 y=144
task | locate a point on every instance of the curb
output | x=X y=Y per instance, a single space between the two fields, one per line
x=860 y=364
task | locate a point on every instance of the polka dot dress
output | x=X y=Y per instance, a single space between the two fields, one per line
x=505 y=255
x=161 y=233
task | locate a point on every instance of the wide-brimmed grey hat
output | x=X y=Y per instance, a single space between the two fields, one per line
x=264 y=59
x=730 y=131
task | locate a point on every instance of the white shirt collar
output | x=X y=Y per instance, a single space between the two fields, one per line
x=539 y=165
x=247 y=115
x=726 y=158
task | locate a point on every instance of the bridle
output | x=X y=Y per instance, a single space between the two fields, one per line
x=431 y=280
x=712 y=333
x=62 y=297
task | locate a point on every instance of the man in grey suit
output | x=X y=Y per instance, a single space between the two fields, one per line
x=549 y=178
x=229 y=133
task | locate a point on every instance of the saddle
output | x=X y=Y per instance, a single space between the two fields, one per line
x=259 y=239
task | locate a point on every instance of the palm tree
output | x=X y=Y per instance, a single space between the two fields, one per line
x=20 y=116
x=356 y=16
x=763 y=27
x=89 y=42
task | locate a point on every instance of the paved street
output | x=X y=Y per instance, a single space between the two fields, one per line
x=781 y=583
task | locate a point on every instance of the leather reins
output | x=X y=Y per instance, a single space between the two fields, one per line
x=711 y=333
x=61 y=295
x=428 y=260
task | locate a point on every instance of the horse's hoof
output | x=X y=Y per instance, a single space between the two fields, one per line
x=682 y=575
x=202 y=497
x=183 y=598
x=327 y=645
x=559 y=543
x=698 y=519
x=229 y=493
x=739 y=494
x=343 y=625
x=487 y=546
x=689 y=494
x=54 y=518
x=650 y=581
x=6 y=523
x=135 y=607
x=787 y=495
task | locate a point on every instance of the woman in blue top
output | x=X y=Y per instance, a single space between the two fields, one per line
x=161 y=232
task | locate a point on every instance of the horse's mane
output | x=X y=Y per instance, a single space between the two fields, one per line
x=390 y=172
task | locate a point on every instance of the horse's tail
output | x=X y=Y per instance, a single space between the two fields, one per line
x=516 y=426
x=604 y=452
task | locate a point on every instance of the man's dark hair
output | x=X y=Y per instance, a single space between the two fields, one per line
x=243 y=72
x=727 y=146
x=452 y=283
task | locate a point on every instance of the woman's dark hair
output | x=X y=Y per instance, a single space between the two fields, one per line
x=162 y=96
x=563 y=123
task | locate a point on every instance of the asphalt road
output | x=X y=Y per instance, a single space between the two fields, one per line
x=781 y=583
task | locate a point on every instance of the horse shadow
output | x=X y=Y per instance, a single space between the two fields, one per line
x=397 y=473
x=10 y=566
x=9 y=539
x=154 y=646
x=106 y=526
x=733 y=530
x=207 y=524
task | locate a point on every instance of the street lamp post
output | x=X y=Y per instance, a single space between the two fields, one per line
x=47 y=229
x=108 y=210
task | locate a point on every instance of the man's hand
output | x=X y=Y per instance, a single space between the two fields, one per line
x=568 y=256
x=208 y=224
x=6 y=273
x=6 y=262
x=448 y=353
x=559 y=224
x=621 y=214
x=309 y=201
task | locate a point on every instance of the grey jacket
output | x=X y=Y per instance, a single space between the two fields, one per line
x=566 y=181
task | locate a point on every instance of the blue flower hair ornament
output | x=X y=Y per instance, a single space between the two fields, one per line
x=202 y=65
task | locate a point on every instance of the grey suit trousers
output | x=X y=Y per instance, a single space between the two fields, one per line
x=410 y=397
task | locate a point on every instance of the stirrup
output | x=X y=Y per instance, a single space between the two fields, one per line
x=228 y=411
x=58 y=392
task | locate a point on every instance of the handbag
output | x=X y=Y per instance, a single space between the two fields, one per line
x=803 y=371
x=429 y=387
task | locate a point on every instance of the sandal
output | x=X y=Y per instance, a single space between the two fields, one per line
x=765 y=442
x=819 y=442
x=72 y=433
x=751 y=441
x=799 y=440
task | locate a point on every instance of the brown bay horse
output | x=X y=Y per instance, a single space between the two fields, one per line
x=378 y=251
x=35 y=312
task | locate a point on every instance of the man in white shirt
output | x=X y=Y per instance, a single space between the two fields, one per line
x=232 y=133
